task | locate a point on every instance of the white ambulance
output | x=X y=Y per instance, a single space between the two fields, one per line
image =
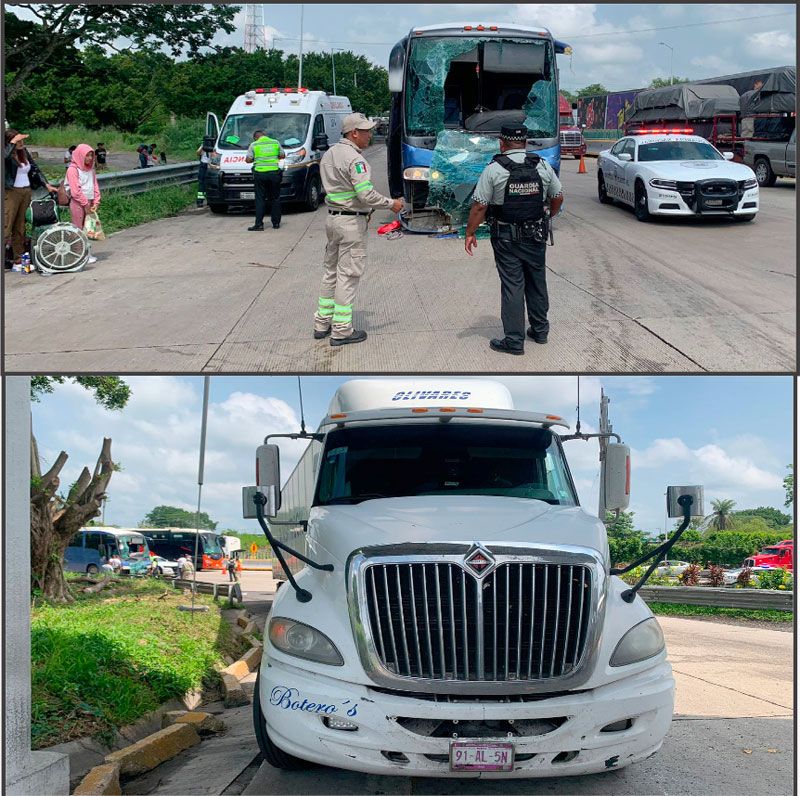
x=305 y=123
x=457 y=614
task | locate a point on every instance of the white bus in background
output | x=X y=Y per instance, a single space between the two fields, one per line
x=231 y=544
x=458 y=615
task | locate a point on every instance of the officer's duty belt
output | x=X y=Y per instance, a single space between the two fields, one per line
x=349 y=213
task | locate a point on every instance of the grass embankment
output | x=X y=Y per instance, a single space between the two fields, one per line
x=179 y=141
x=108 y=659
x=680 y=609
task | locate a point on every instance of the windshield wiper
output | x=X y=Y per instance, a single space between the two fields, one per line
x=355 y=498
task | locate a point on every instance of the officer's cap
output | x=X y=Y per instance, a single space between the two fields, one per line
x=356 y=121
x=514 y=132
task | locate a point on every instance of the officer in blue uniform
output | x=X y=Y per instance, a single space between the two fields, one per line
x=517 y=193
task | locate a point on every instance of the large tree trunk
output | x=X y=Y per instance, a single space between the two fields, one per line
x=55 y=519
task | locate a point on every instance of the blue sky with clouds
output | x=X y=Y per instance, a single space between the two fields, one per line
x=731 y=434
x=616 y=44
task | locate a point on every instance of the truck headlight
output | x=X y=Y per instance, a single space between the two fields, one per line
x=417 y=173
x=303 y=641
x=641 y=642
x=669 y=185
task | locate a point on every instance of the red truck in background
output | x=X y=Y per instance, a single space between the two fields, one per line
x=780 y=555
x=570 y=135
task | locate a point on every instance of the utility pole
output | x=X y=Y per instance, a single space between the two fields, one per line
x=333 y=68
x=671 y=54
x=300 y=66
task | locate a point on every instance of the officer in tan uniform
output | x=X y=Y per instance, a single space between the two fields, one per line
x=350 y=198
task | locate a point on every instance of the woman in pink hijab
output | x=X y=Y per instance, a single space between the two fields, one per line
x=84 y=192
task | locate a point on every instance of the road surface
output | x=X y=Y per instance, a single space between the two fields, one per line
x=197 y=292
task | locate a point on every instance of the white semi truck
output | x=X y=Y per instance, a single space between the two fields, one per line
x=457 y=615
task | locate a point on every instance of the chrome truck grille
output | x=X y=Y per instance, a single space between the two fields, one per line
x=570 y=138
x=477 y=619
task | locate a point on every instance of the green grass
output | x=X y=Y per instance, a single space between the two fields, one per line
x=680 y=609
x=105 y=661
x=118 y=211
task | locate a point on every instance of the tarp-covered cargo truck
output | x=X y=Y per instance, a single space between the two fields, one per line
x=710 y=111
x=457 y=615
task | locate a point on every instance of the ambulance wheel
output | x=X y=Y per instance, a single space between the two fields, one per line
x=313 y=193
x=602 y=193
x=640 y=208
x=218 y=209
x=277 y=758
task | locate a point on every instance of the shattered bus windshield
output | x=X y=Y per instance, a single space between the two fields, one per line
x=478 y=85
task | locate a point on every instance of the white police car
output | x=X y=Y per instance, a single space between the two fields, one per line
x=675 y=174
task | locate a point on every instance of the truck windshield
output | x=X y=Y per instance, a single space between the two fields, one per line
x=288 y=128
x=443 y=459
x=678 y=150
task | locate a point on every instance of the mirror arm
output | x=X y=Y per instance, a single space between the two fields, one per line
x=579 y=435
x=303 y=595
x=628 y=595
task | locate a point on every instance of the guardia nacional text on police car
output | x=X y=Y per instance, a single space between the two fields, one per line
x=675 y=174
x=457 y=614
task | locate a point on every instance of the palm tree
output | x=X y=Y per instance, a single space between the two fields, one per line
x=720 y=519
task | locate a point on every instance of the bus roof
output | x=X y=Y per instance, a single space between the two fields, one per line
x=488 y=28
x=112 y=531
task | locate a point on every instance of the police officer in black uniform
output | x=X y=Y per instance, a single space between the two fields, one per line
x=513 y=194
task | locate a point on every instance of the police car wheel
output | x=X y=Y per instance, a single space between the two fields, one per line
x=640 y=207
x=217 y=208
x=277 y=758
x=602 y=193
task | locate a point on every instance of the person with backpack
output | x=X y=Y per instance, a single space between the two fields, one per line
x=518 y=193
x=101 y=153
x=144 y=155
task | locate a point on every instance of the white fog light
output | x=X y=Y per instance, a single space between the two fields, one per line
x=641 y=642
x=335 y=723
x=417 y=173
x=303 y=641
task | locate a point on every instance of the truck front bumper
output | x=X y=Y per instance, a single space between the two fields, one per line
x=295 y=704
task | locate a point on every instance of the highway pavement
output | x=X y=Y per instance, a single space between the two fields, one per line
x=197 y=292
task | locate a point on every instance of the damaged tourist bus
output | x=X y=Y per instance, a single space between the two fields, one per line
x=453 y=87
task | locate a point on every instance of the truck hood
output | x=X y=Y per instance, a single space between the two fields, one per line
x=339 y=530
x=692 y=170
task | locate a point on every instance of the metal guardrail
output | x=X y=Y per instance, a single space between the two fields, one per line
x=233 y=591
x=720 y=597
x=143 y=180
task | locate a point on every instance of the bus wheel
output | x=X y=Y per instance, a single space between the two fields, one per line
x=274 y=756
x=92 y=569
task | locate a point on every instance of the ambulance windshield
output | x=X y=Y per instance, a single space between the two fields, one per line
x=288 y=128
x=443 y=459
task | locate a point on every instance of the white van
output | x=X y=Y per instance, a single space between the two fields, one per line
x=458 y=615
x=305 y=122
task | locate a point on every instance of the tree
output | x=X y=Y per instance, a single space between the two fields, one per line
x=111 y=392
x=593 y=90
x=174 y=517
x=720 y=518
x=56 y=518
x=660 y=82
x=625 y=543
x=774 y=518
x=788 y=485
x=179 y=28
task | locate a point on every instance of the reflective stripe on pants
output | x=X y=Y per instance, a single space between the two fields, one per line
x=345 y=261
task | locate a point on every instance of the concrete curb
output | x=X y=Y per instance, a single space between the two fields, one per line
x=101 y=780
x=154 y=750
x=235 y=695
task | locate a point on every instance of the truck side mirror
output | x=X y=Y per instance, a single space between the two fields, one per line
x=268 y=477
x=674 y=509
x=320 y=142
x=617 y=476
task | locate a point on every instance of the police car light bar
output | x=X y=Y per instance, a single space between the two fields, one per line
x=676 y=130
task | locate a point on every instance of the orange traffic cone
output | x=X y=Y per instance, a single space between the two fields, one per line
x=581 y=167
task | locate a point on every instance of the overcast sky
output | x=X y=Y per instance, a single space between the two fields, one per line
x=731 y=434
x=614 y=44
x=608 y=48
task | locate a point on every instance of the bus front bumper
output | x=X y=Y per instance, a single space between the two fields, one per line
x=393 y=730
